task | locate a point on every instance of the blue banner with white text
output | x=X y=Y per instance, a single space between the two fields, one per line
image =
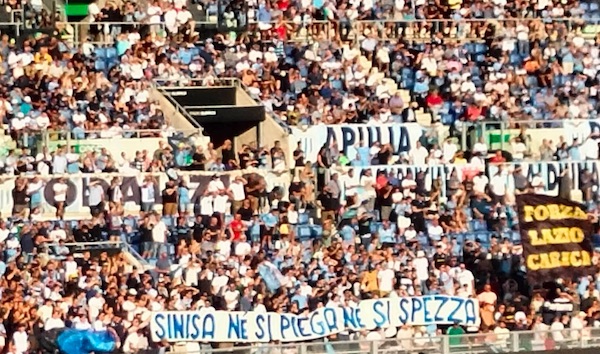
x=225 y=326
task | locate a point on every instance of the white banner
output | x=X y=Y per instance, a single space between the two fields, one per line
x=580 y=129
x=432 y=173
x=402 y=137
x=549 y=172
x=253 y=327
x=78 y=192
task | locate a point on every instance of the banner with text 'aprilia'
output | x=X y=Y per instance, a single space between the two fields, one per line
x=557 y=237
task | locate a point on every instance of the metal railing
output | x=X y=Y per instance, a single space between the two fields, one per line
x=410 y=30
x=70 y=138
x=165 y=84
x=420 y=341
x=498 y=134
x=105 y=33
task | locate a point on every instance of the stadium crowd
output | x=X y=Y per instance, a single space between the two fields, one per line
x=334 y=241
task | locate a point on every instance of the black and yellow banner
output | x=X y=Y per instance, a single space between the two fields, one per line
x=557 y=237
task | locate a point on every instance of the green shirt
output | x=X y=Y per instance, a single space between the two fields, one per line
x=455 y=333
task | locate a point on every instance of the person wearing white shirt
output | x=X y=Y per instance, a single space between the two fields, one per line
x=480 y=147
x=184 y=16
x=577 y=324
x=518 y=149
x=21 y=339
x=421 y=264
x=418 y=154
x=148 y=195
x=502 y=334
x=367 y=182
x=93 y=10
x=557 y=328
x=154 y=13
x=480 y=183
x=386 y=278
x=538 y=184
x=59 y=163
x=351 y=182
x=498 y=186
x=4 y=232
x=60 y=189
x=232 y=297
x=135 y=342
x=95 y=305
x=465 y=277
x=237 y=194
x=215 y=186
x=170 y=18
x=219 y=282
x=54 y=322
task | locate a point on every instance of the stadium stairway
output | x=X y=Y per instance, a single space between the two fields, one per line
x=227 y=104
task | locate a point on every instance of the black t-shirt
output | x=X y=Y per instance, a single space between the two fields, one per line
x=20 y=197
x=384 y=157
x=146 y=234
x=228 y=155
x=27 y=245
x=197 y=231
x=244 y=159
x=329 y=203
x=439 y=259
x=169 y=198
x=295 y=187
x=246 y=213
x=300 y=161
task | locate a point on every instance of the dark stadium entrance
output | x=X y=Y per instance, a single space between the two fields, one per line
x=217 y=110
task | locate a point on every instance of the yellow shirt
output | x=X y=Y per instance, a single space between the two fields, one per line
x=454 y=4
x=369 y=282
x=41 y=58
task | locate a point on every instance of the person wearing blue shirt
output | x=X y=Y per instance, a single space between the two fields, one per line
x=300 y=299
x=387 y=233
x=348 y=232
x=574 y=152
x=364 y=153
x=269 y=222
x=264 y=15
x=184 y=197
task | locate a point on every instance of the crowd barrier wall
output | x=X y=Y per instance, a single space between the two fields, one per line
x=435 y=176
x=412 y=30
x=77 y=204
x=585 y=341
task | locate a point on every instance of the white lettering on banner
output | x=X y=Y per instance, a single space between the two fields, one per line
x=549 y=171
x=580 y=129
x=224 y=326
x=78 y=192
x=402 y=137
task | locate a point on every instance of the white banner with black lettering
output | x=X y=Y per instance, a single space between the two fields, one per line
x=130 y=185
x=548 y=171
x=402 y=137
x=261 y=327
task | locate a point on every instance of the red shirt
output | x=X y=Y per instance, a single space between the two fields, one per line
x=283 y=5
x=434 y=100
x=281 y=31
x=237 y=226
x=497 y=159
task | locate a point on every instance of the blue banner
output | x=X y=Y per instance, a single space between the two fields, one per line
x=225 y=326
